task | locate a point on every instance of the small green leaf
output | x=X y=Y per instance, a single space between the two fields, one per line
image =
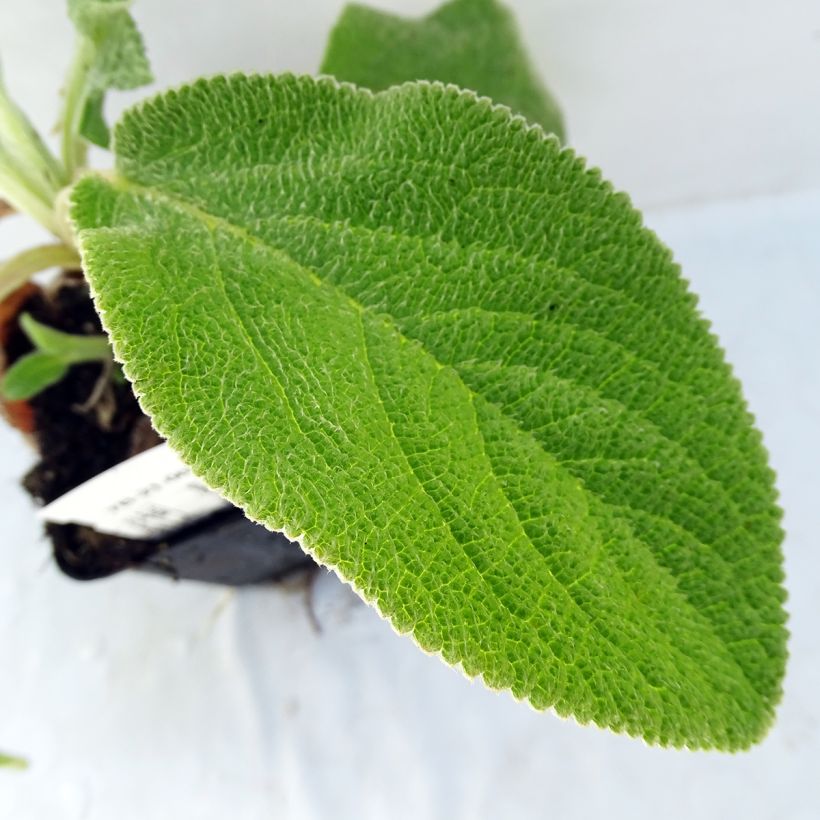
x=417 y=335
x=471 y=43
x=94 y=127
x=32 y=374
x=70 y=348
x=55 y=351
x=30 y=177
x=28 y=154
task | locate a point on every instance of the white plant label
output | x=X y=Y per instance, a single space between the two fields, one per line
x=146 y=497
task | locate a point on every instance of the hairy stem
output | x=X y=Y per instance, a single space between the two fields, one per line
x=21 y=195
x=76 y=96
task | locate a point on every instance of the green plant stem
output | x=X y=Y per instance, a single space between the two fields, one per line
x=76 y=95
x=30 y=176
x=18 y=192
x=20 y=268
x=27 y=152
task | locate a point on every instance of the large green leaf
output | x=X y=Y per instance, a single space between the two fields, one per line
x=471 y=43
x=417 y=335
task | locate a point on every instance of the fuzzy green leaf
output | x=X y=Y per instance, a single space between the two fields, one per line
x=474 y=44
x=417 y=335
x=30 y=177
x=118 y=57
x=32 y=374
x=110 y=54
x=93 y=126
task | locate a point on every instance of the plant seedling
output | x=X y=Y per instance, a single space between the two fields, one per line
x=54 y=352
x=401 y=323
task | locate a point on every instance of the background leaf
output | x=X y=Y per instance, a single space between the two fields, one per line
x=119 y=59
x=471 y=43
x=71 y=348
x=94 y=127
x=415 y=334
x=111 y=54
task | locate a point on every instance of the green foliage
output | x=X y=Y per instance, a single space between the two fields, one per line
x=118 y=58
x=22 y=148
x=471 y=43
x=72 y=348
x=30 y=176
x=93 y=126
x=54 y=353
x=110 y=54
x=417 y=335
x=31 y=374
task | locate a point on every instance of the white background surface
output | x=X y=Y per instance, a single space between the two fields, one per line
x=136 y=698
x=677 y=101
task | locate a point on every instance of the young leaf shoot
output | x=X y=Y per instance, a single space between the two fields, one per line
x=54 y=352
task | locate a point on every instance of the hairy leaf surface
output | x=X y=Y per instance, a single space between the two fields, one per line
x=119 y=59
x=471 y=43
x=413 y=332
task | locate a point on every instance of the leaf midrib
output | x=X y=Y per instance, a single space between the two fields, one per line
x=589 y=619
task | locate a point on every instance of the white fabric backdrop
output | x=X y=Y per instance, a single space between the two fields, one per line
x=677 y=101
x=138 y=698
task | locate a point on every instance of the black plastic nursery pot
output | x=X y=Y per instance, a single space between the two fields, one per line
x=225 y=548
x=89 y=422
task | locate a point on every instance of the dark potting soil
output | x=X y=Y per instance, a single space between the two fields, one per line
x=89 y=422
x=83 y=425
